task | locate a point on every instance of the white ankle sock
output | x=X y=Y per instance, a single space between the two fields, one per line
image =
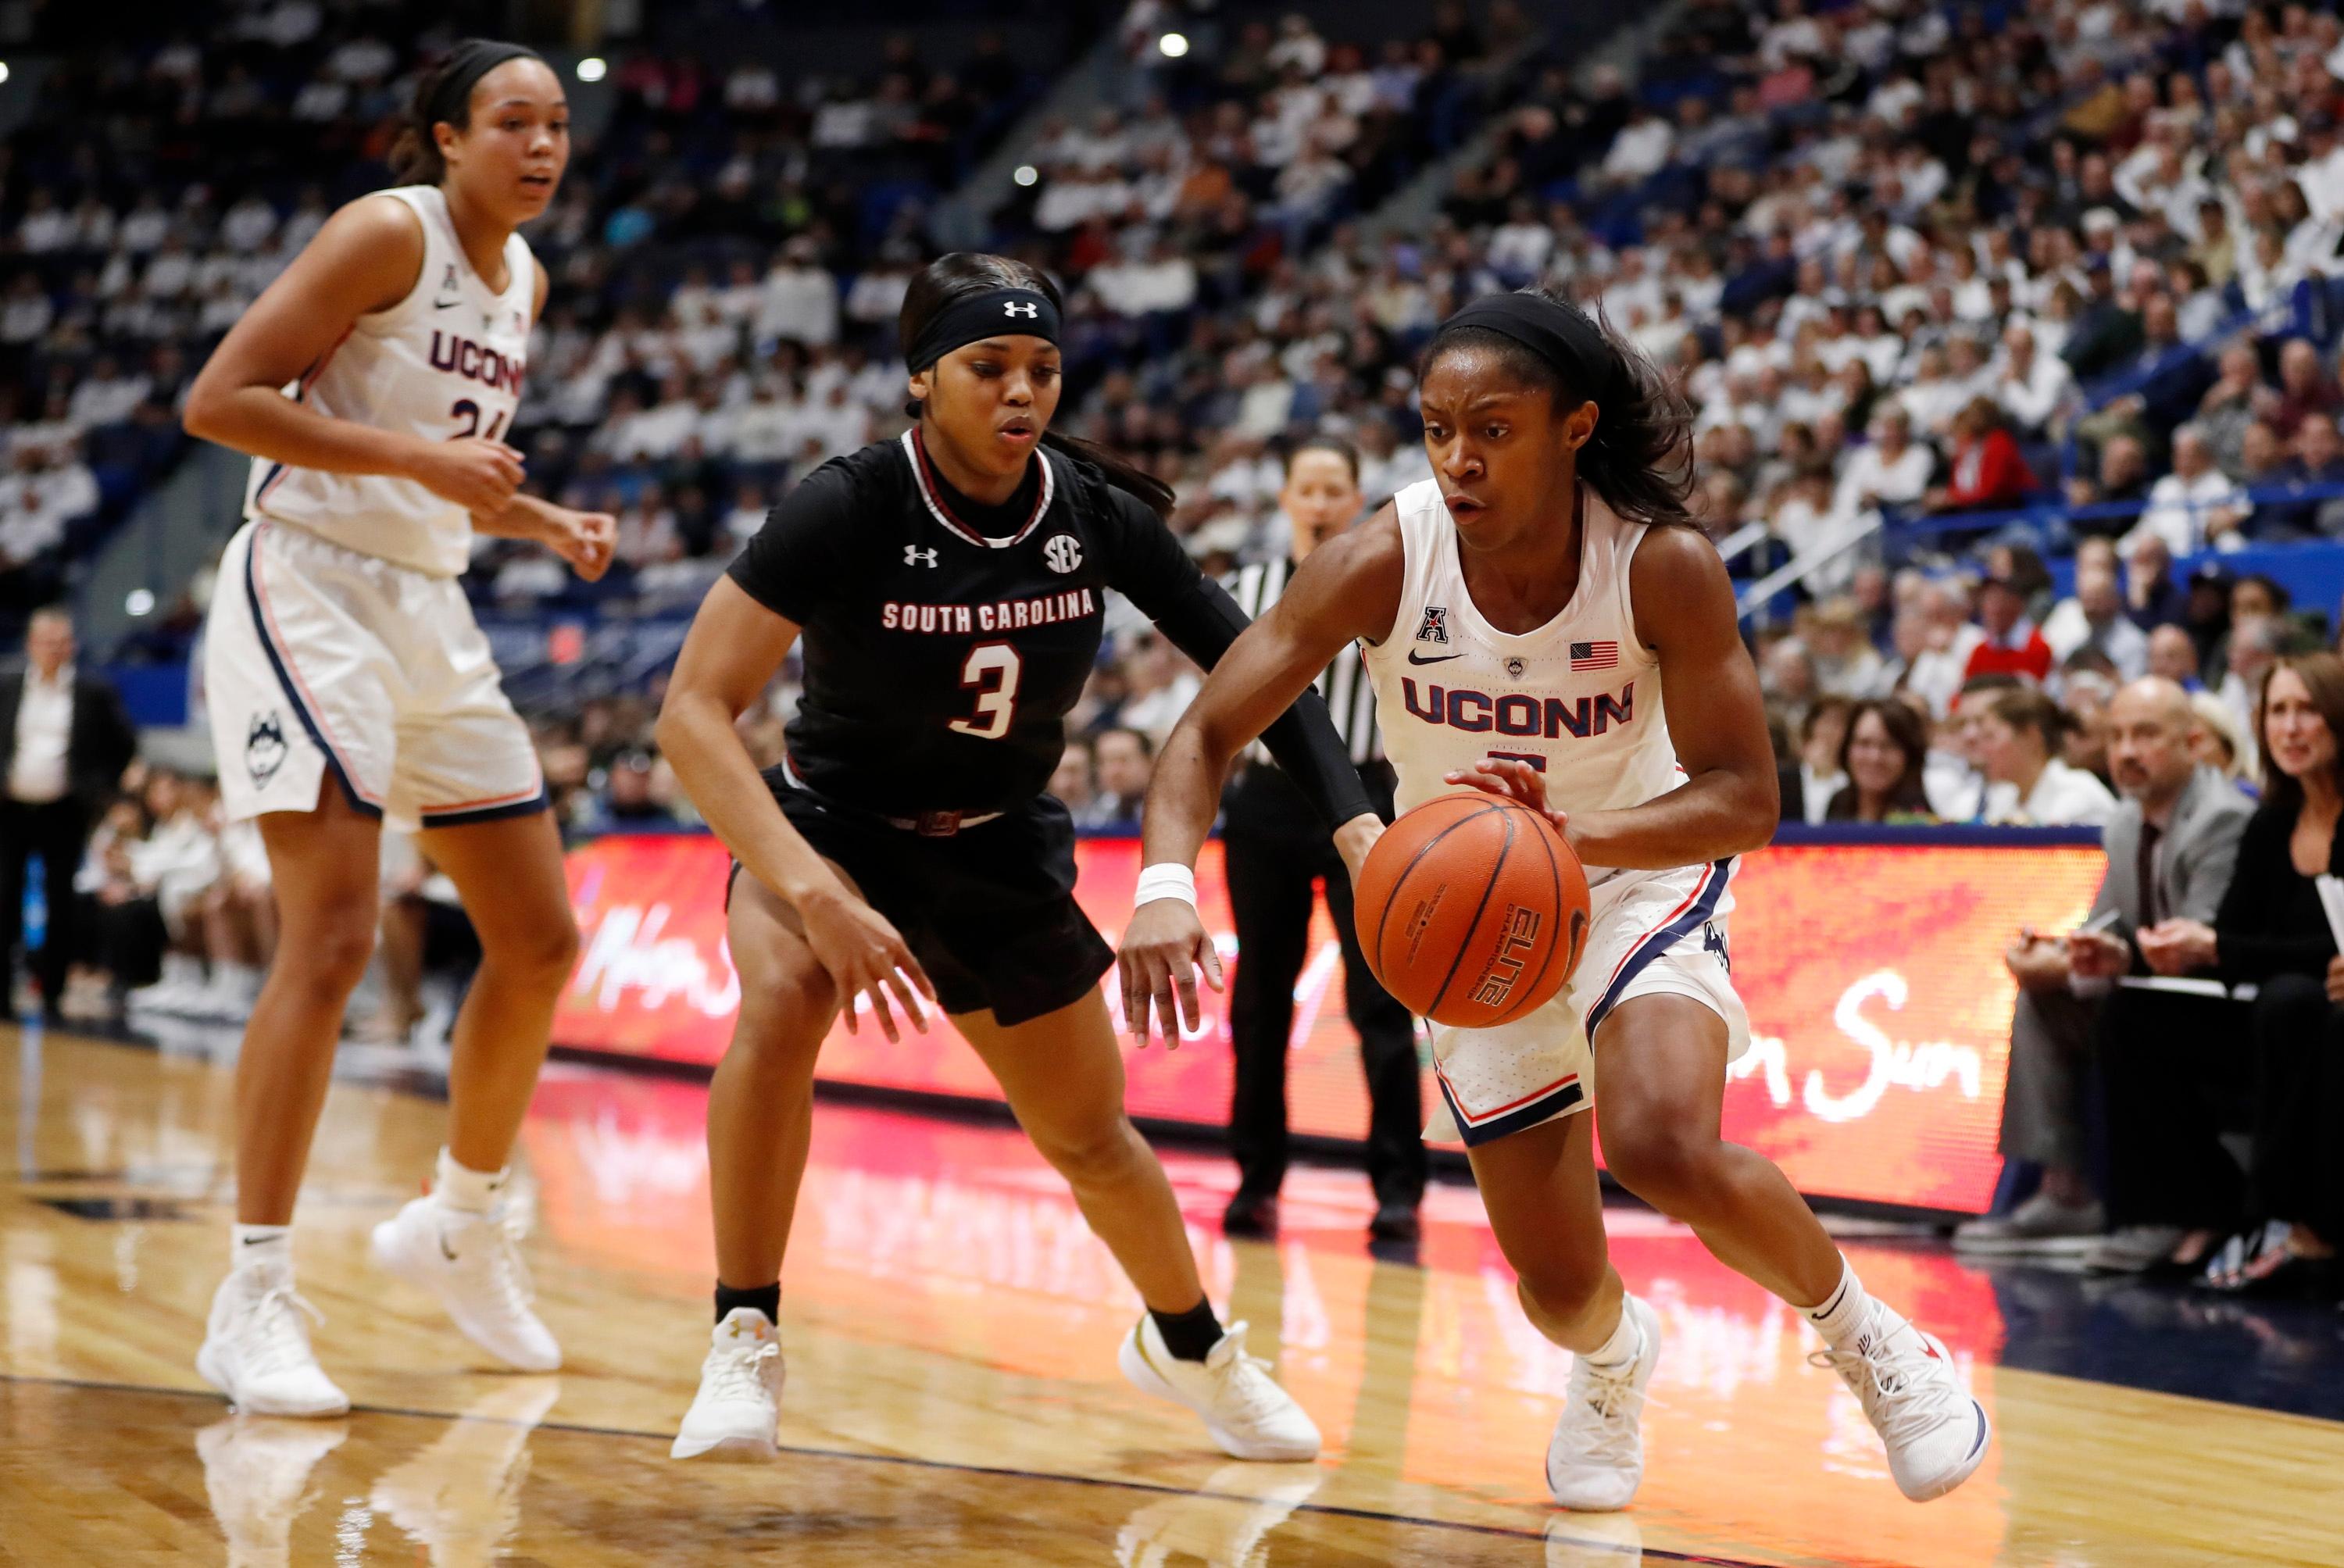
x=1843 y=1313
x=260 y=1246
x=1626 y=1343
x=467 y=1191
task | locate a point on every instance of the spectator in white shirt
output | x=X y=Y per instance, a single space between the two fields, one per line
x=2095 y=617
x=799 y=301
x=2196 y=506
x=2026 y=783
x=1892 y=471
x=1640 y=149
x=2030 y=385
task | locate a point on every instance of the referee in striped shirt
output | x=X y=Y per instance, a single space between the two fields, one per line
x=1275 y=848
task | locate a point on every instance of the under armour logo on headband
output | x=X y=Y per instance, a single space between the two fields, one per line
x=1011 y=308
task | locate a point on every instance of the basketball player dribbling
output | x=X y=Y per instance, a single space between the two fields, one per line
x=949 y=589
x=347 y=683
x=1523 y=615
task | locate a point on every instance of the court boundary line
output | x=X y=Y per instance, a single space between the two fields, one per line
x=1336 y=1510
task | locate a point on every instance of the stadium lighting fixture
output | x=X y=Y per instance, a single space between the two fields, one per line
x=1172 y=46
x=1026 y=174
x=3 y=70
x=140 y=602
x=592 y=68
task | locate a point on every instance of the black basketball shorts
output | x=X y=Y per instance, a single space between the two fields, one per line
x=989 y=911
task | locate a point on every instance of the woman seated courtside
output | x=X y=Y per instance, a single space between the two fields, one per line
x=1882 y=757
x=2272 y=931
x=2027 y=782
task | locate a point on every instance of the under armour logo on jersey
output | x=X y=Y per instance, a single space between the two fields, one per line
x=915 y=556
x=1436 y=625
x=264 y=747
x=1061 y=554
x=1031 y=312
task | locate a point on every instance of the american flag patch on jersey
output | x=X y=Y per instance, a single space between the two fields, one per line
x=1594 y=655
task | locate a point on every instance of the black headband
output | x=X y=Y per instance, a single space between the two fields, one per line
x=461 y=72
x=1561 y=335
x=996 y=312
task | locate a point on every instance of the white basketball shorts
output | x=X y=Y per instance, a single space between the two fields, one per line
x=319 y=659
x=1652 y=933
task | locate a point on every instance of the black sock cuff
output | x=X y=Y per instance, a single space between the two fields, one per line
x=1191 y=1335
x=766 y=1299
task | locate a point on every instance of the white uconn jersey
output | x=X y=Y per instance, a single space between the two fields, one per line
x=1578 y=698
x=444 y=362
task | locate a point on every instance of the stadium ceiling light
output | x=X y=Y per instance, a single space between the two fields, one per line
x=3 y=70
x=1172 y=46
x=140 y=602
x=1026 y=174
x=592 y=68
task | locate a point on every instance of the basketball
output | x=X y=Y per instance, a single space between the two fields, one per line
x=1472 y=911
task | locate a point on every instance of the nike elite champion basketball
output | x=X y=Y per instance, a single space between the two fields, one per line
x=1473 y=910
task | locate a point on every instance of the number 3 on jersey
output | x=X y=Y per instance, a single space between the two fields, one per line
x=991 y=671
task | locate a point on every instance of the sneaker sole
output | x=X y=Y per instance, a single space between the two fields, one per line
x=382 y=1245
x=208 y=1369
x=1968 y=1467
x=738 y=1449
x=1147 y=1380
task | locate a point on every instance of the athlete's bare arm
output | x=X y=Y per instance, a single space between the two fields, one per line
x=729 y=657
x=1348 y=589
x=584 y=539
x=364 y=260
x=1730 y=800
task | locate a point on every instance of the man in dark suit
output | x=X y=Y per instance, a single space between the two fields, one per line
x=2171 y=848
x=64 y=743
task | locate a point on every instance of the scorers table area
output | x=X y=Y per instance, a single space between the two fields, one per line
x=1870 y=961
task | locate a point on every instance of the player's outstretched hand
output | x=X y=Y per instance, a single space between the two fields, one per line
x=586 y=539
x=1163 y=949
x=1513 y=779
x=866 y=957
x=476 y=474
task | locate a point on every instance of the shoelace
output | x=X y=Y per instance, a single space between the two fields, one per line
x=1886 y=1379
x=741 y=1374
x=1247 y=1378
x=502 y=1262
x=1612 y=1396
x=274 y=1336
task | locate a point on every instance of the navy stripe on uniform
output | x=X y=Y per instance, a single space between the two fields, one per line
x=284 y=678
x=541 y=801
x=1540 y=1109
x=1642 y=955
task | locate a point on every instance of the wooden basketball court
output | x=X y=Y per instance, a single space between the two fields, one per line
x=952 y=1397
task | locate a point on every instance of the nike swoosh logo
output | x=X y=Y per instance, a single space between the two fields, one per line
x=445 y=304
x=445 y=1250
x=1416 y=657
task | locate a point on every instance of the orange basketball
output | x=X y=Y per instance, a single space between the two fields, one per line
x=1473 y=910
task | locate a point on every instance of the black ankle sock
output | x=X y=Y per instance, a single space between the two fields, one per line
x=1191 y=1335
x=766 y=1299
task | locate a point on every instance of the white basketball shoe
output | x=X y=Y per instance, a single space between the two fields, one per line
x=1595 y=1460
x=1935 y=1431
x=256 y=1349
x=1245 y=1411
x=472 y=1264
x=738 y=1403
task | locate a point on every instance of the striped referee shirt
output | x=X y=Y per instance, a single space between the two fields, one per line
x=1350 y=696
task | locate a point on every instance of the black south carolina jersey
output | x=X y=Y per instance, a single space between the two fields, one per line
x=945 y=641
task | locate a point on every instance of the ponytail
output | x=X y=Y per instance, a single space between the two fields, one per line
x=966 y=272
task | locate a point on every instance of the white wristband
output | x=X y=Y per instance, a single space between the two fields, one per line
x=1169 y=879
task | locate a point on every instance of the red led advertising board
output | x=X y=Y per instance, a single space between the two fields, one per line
x=1879 y=1006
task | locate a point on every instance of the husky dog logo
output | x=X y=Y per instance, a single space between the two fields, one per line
x=264 y=748
x=1514 y=667
x=1435 y=628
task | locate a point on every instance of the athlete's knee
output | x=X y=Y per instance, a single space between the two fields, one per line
x=329 y=953
x=543 y=949
x=1091 y=1153
x=1678 y=1171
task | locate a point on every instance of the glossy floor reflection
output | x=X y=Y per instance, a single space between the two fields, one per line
x=951 y=1325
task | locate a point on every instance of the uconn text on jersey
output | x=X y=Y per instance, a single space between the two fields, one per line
x=1520 y=714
